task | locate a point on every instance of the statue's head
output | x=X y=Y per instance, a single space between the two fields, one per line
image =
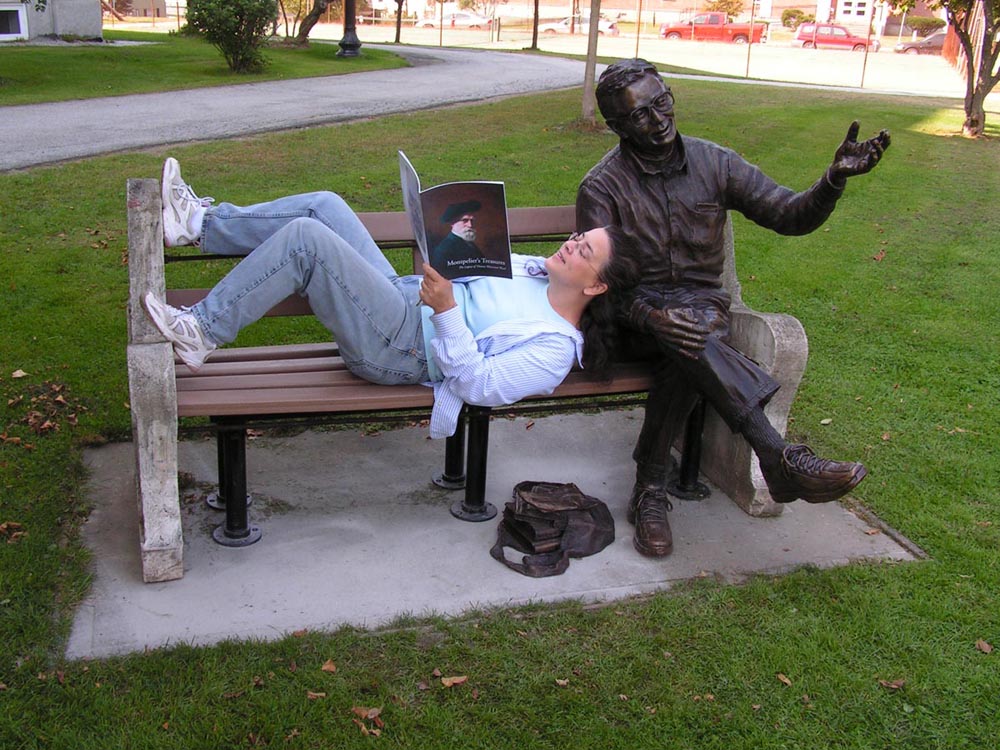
x=637 y=105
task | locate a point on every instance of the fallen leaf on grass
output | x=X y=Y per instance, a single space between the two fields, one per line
x=314 y=696
x=329 y=666
x=562 y=683
x=893 y=684
x=18 y=374
x=366 y=731
x=880 y=255
x=451 y=681
x=983 y=646
x=826 y=421
x=372 y=715
x=783 y=679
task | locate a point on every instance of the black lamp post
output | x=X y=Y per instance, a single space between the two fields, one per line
x=350 y=44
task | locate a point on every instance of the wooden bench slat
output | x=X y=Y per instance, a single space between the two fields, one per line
x=265 y=367
x=292 y=305
x=337 y=392
x=263 y=381
x=364 y=397
x=543 y=221
x=254 y=379
x=275 y=351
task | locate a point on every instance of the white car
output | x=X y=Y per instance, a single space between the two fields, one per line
x=461 y=20
x=582 y=27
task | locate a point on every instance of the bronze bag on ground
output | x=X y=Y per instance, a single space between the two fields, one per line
x=551 y=523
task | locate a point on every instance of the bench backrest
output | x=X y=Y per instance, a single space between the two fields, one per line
x=392 y=229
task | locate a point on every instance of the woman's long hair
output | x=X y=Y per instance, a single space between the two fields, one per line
x=599 y=323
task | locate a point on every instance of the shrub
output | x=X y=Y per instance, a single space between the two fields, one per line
x=792 y=17
x=237 y=28
x=924 y=25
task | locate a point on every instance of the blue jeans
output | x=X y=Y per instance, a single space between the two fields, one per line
x=315 y=246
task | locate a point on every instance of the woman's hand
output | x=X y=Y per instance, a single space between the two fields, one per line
x=436 y=291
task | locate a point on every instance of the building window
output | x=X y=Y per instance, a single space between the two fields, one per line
x=13 y=22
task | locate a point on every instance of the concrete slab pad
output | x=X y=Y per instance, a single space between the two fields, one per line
x=355 y=534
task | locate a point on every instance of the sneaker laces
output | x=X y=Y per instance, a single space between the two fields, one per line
x=184 y=192
x=182 y=329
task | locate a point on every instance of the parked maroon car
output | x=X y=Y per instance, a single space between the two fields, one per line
x=831 y=35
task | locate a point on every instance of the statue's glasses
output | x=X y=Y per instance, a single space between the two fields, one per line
x=640 y=117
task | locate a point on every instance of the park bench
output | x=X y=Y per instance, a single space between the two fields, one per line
x=241 y=388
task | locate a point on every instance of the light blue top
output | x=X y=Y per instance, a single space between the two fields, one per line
x=486 y=300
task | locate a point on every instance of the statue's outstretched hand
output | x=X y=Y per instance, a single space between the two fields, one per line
x=853 y=158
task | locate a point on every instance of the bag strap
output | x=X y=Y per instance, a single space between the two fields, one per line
x=536 y=566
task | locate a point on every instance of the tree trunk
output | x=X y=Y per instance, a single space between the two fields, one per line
x=534 y=28
x=980 y=78
x=589 y=101
x=311 y=19
x=975 y=114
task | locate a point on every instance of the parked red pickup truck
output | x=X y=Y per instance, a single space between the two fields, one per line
x=714 y=27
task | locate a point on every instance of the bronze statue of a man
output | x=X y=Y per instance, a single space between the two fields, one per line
x=672 y=194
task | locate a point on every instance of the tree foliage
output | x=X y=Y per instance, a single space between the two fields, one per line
x=237 y=28
x=729 y=7
x=976 y=24
x=792 y=17
x=924 y=25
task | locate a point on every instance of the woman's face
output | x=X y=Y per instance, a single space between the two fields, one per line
x=580 y=259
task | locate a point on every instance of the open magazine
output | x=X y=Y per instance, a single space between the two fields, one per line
x=460 y=227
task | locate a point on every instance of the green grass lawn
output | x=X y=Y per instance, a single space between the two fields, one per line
x=162 y=62
x=898 y=293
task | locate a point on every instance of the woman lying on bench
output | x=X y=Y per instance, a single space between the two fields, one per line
x=483 y=341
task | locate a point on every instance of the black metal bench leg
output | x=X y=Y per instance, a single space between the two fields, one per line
x=237 y=530
x=217 y=500
x=474 y=507
x=686 y=486
x=453 y=477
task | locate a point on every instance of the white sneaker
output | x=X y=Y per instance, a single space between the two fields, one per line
x=183 y=211
x=181 y=329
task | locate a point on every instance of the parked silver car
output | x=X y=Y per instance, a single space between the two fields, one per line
x=460 y=20
x=582 y=26
x=931 y=45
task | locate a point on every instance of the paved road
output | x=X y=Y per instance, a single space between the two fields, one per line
x=46 y=133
